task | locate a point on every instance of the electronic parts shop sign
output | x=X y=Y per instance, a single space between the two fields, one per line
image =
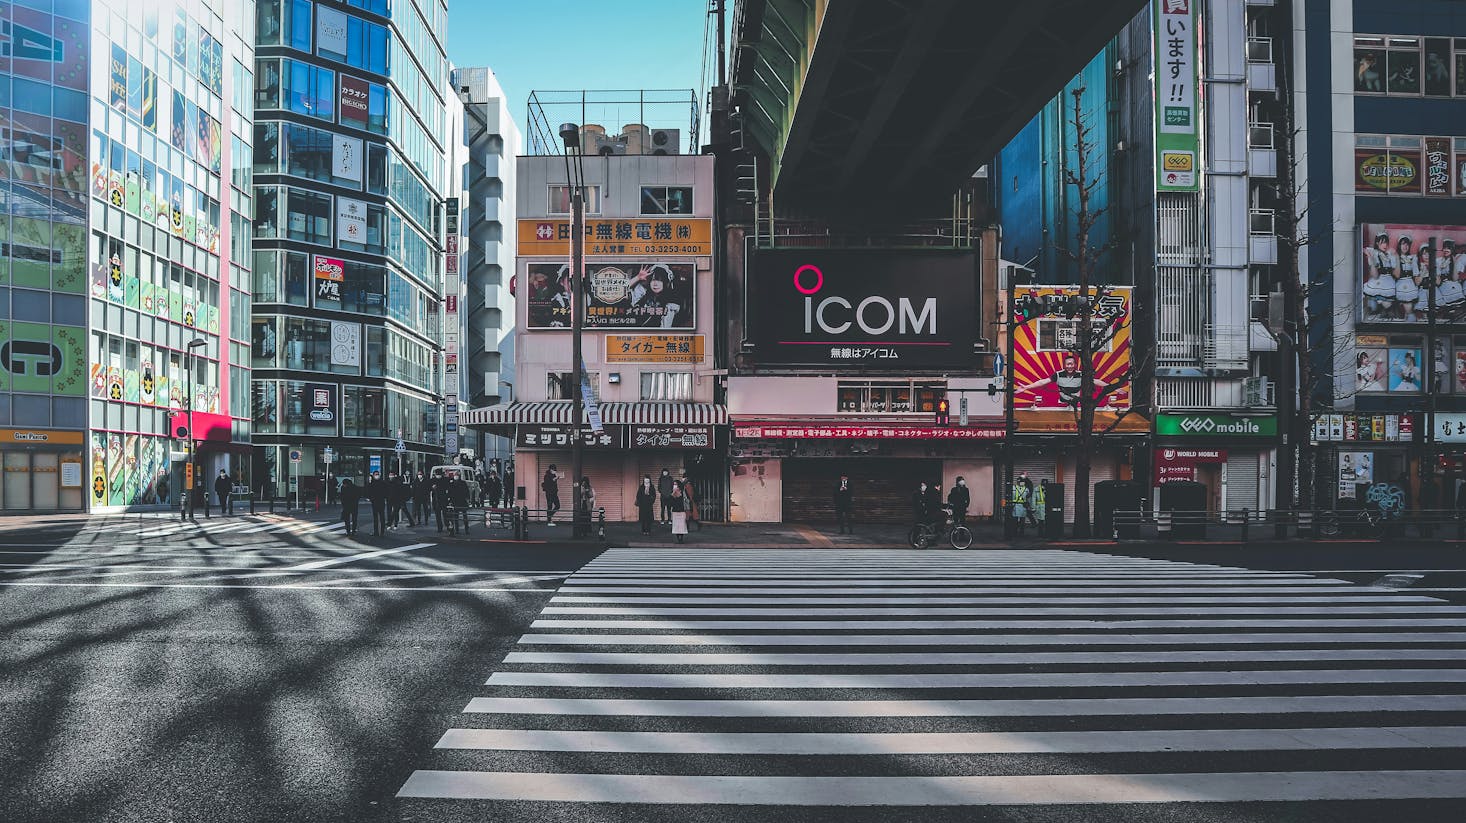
x=863 y=309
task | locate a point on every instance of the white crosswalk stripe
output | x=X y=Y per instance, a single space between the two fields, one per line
x=844 y=679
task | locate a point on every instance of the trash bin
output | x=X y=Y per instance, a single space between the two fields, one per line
x=1112 y=496
x=1190 y=498
x=1053 y=509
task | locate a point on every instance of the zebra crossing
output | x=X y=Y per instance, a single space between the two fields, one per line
x=241 y=525
x=757 y=679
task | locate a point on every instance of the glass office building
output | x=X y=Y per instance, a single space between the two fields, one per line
x=120 y=120
x=349 y=179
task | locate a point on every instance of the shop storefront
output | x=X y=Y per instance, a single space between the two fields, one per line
x=42 y=471
x=1233 y=455
x=1363 y=450
x=1046 y=447
x=786 y=471
x=636 y=440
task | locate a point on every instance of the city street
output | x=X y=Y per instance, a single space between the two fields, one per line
x=259 y=668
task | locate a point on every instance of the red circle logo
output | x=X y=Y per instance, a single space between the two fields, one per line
x=819 y=282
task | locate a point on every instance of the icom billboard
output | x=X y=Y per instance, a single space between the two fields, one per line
x=863 y=309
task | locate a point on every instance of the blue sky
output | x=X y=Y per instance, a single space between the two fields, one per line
x=583 y=44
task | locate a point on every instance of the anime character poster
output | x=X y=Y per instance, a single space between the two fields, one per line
x=1408 y=270
x=619 y=294
x=1046 y=368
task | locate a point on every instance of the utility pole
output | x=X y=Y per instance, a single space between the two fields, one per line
x=575 y=181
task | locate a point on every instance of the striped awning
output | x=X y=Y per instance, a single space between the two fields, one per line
x=557 y=413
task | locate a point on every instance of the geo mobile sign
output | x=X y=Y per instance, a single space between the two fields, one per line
x=1176 y=138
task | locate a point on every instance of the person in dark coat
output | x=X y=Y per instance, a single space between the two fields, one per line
x=377 y=493
x=934 y=503
x=350 y=497
x=440 y=498
x=458 y=499
x=550 y=485
x=493 y=488
x=646 y=503
x=844 y=504
x=422 y=497
x=509 y=487
x=223 y=486
x=665 y=485
x=960 y=498
x=920 y=505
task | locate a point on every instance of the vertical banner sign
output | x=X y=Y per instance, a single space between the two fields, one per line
x=1177 y=137
x=452 y=288
x=330 y=274
x=588 y=397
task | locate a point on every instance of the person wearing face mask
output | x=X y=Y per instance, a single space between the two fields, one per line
x=844 y=504
x=959 y=499
x=919 y=508
x=646 y=502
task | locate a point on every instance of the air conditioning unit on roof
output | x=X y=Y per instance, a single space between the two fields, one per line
x=664 y=142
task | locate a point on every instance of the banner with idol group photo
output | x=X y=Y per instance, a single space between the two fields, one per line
x=1405 y=269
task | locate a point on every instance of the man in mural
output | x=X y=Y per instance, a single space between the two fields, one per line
x=1067 y=381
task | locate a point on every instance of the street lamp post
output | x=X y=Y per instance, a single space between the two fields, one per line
x=193 y=463
x=570 y=134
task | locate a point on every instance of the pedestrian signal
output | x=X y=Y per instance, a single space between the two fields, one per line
x=943 y=418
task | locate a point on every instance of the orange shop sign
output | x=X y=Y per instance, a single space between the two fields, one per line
x=37 y=437
x=663 y=236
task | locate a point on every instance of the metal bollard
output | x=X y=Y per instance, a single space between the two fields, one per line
x=1163 y=524
x=1246 y=517
x=1305 y=524
x=601 y=517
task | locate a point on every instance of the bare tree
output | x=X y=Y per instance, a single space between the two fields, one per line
x=1097 y=324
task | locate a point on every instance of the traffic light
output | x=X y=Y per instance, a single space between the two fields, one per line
x=943 y=418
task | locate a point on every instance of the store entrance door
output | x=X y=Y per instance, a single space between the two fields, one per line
x=882 y=487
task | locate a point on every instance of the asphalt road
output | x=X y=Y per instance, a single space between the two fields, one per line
x=269 y=670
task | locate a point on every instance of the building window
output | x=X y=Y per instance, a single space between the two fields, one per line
x=666 y=200
x=560 y=385
x=308 y=217
x=1402 y=65
x=1409 y=164
x=666 y=385
x=1410 y=66
x=560 y=199
x=889 y=396
x=265 y=398
x=1437 y=73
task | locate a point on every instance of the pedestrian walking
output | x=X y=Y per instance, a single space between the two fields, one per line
x=422 y=496
x=377 y=494
x=163 y=487
x=440 y=498
x=664 y=489
x=224 y=487
x=493 y=488
x=920 y=505
x=677 y=505
x=458 y=500
x=646 y=503
x=844 y=505
x=585 y=506
x=689 y=493
x=1020 y=505
x=935 y=506
x=509 y=487
x=550 y=485
x=399 y=496
x=960 y=499
x=350 y=497
x=1027 y=498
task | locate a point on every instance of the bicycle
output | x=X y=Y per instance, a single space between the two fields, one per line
x=925 y=535
x=1367 y=522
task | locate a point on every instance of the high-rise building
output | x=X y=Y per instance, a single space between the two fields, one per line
x=490 y=144
x=350 y=175
x=124 y=284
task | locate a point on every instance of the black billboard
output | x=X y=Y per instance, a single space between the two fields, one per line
x=863 y=309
